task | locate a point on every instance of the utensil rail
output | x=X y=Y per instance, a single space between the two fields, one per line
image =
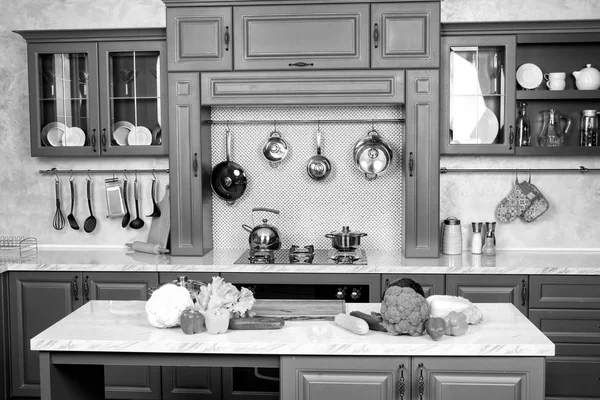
x=581 y=169
x=103 y=171
x=304 y=121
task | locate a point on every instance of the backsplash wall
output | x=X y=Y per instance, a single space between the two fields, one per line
x=27 y=199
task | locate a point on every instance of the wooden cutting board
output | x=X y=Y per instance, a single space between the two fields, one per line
x=160 y=226
x=297 y=310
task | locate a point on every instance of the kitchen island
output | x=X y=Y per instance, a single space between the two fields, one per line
x=501 y=358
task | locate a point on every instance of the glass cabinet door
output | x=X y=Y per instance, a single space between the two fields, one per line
x=133 y=112
x=63 y=95
x=478 y=79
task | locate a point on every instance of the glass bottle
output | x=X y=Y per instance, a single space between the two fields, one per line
x=523 y=126
x=489 y=248
x=589 y=128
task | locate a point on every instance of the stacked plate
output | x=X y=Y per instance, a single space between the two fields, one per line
x=57 y=134
x=127 y=134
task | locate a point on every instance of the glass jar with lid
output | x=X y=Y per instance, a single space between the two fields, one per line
x=588 y=128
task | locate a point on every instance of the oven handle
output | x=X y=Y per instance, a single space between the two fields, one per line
x=265 y=377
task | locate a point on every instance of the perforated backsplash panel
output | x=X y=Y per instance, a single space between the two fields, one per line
x=309 y=209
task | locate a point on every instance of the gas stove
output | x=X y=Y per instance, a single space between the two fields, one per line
x=303 y=255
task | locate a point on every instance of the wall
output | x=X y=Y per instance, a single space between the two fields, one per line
x=27 y=199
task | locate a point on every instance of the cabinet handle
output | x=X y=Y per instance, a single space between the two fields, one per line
x=103 y=139
x=93 y=140
x=421 y=383
x=86 y=288
x=301 y=64
x=195 y=164
x=226 y=38
x=524 y=293
x=401 y=384
x=75 y=289
x=376 y=35
x=411 y=164
x=511 y=138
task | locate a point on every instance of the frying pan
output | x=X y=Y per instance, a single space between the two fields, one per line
x=227 y=178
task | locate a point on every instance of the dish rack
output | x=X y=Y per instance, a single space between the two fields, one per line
x=16 y=249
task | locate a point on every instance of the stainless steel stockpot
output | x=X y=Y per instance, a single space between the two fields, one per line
x=346 y=239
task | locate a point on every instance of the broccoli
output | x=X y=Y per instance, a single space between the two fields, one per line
x=404 y=311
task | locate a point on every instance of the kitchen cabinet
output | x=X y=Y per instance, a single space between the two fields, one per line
x=431 y=378
x=39 y=299
x=97 y=92
x=405 y=35
x=4 y=334
x=315 y=36
x=491 y=289
x=199 y=39
x=567 y=310
x=431 y=284
x=478 y=95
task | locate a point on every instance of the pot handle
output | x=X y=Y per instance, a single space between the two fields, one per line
x=266 y=209
x=247 y=228
x=330 y=235
x=370 y=176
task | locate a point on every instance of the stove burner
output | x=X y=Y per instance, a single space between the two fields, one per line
x=261 y=257
x=304 y=255
x=349 y=256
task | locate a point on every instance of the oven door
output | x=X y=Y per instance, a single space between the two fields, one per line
x=263 y=383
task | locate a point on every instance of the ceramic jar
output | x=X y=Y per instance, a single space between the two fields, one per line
x=451 y=236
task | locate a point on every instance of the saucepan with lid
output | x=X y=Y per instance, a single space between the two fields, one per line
x=345 y=239
x=275 y=149
x=372 y=155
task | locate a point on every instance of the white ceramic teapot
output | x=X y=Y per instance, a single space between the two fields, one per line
x=588 y=78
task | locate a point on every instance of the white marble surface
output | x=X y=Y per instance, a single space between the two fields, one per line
x=379 y=262
x=122 y=326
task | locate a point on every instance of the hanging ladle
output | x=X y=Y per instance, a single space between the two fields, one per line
x=137 y=223
x=155 y=208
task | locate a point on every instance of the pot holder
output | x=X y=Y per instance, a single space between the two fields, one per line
x=538 y=206
x=518 y=200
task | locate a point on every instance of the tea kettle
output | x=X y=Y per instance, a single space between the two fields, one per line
x=588 y=78
x=552 y=133
x=264 y=236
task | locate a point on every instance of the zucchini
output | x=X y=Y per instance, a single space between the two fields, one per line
x=374 y=323
x=256 y=323
x=353 y=324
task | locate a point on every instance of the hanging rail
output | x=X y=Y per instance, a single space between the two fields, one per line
x=303 y=121
x=53 y=171
x=581 y=169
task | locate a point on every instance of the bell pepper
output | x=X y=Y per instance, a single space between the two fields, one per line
x=192 y=321
x=217 y=320
x=456 y=323
x=436 y=327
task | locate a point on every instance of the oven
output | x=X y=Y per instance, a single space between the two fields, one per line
x=263 y=383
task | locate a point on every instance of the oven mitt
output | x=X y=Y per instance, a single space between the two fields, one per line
x=538 y=206
x=518 y=200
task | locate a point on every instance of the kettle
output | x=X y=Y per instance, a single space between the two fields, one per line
x=588 y=78
x=263 y=237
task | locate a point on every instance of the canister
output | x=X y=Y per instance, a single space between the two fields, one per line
x=589 y=128
x=451 y=236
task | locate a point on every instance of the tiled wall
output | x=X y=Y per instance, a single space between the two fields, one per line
x=26 y=198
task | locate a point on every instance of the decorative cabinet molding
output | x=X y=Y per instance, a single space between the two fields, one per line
x=200 y=39
x=323 y=87
x=302 y=36
x=405 y=35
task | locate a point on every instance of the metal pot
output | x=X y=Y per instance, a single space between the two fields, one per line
x=227 y=178
x=264 y=236
x=345 y=240
x=372 y=155
x=318 y=166
x=275 y=149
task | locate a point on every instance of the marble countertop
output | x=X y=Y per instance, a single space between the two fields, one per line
x=379 y=262
x=122 y=326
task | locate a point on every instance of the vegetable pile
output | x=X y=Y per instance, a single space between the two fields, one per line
x=404 y=311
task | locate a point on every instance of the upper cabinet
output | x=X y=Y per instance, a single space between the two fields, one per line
x=478 y=95
x=302 y=37
x=200 y=38
x=97 y=92
x=405 y=35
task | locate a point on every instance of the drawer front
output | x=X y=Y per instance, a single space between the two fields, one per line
x=565 y=292
x=302 y=37
x=577 y=377
x=568 y=326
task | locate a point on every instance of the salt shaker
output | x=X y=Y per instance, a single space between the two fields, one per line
x=476 y=240
x=451 y=236
x=489 y=248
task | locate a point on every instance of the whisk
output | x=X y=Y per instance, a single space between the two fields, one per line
x=59 y=220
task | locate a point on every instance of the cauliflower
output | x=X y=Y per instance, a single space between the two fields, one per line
x=166 y=305
x=404 y=311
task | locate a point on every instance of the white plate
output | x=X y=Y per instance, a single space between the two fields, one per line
x=529 y=76
x=74 y=136
x=52 y=134
x=487 y=128
x=139 y=136
x=121 y=132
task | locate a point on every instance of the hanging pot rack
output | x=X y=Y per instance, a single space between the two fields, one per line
x=581 y=169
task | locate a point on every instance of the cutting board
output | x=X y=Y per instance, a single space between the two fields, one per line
x=160 y=226
x=297 y=310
